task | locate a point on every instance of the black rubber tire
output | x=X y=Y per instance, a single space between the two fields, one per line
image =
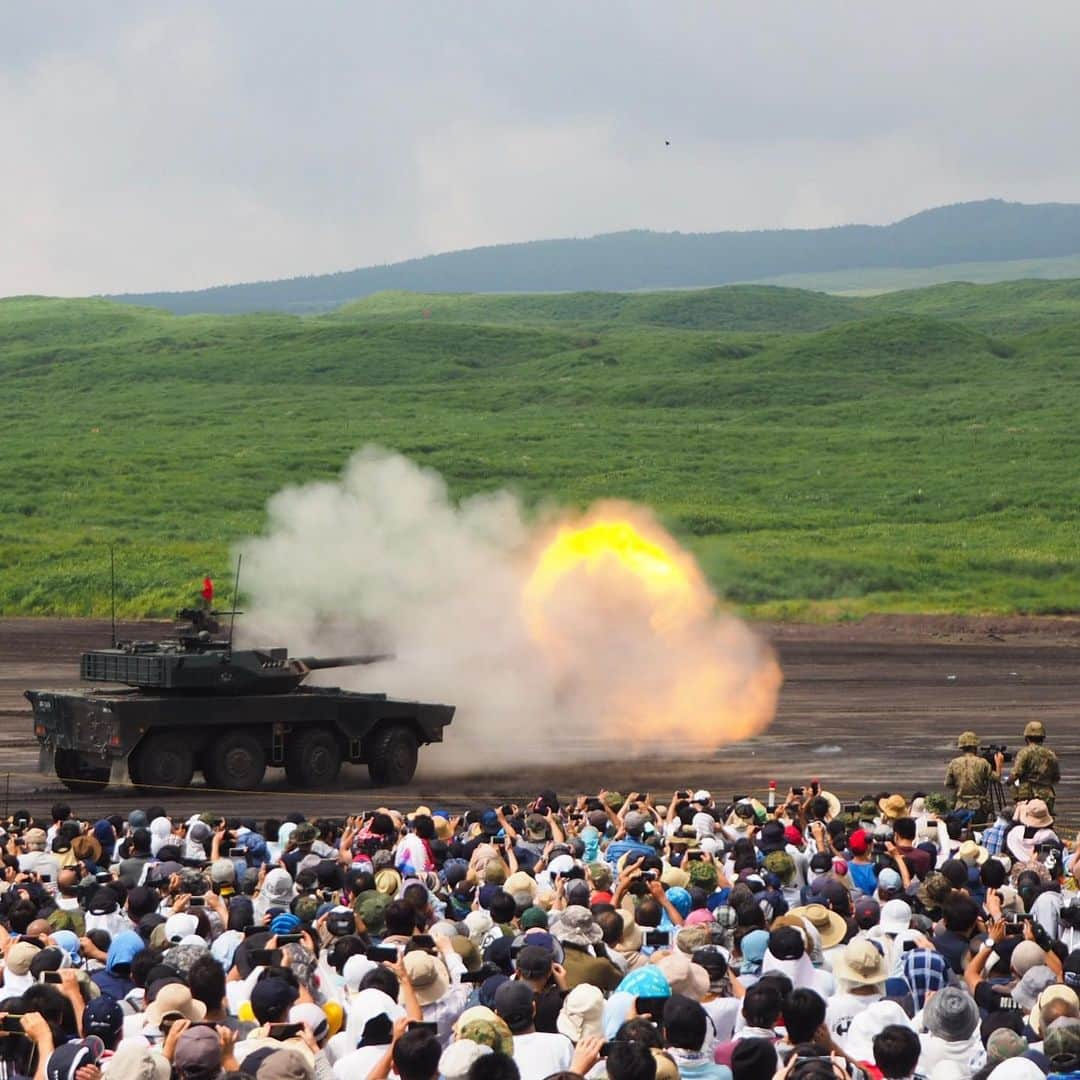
x=235 y=762
x=313 y=758
x=162 y=760
x=392 y=754
x=77 y=774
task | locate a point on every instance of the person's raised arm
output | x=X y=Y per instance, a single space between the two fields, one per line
x=411 y=1003
x=606 y=806
x=973 y=973
x=656 y=891
x=511 y=856
x=37 y=1028
x=630 y=871
x=901 y=864
x=507 y=828
x=557 y=832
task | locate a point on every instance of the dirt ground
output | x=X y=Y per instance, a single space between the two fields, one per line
x=865 y=706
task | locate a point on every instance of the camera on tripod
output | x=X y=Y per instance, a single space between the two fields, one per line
x=991 y=750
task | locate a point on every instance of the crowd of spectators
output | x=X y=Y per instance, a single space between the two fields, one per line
x=628 y=937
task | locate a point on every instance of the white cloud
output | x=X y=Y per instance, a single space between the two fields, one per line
x=151 y=145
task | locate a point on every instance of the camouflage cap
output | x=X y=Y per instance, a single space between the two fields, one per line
x=371 y=907
x=1034 y=729
x=306 y=908
x=493 y=1033
x=936 y=803
x=703 y=874
x=966 y=739
x=781 y=864
x=305 y=833
x=938 y=888
x=194 y=882
x=1062 y=1044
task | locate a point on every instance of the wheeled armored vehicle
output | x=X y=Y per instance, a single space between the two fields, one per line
x=194 y=703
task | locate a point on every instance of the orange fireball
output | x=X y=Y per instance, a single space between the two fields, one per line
x=627 y=621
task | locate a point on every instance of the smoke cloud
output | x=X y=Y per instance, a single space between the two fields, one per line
x=559 y=637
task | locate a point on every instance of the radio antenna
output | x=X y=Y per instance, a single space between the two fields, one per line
x=112 y=590
x=235 y=601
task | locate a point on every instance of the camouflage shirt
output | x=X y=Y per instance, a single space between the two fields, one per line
x=1035 y=772
x=969 y=776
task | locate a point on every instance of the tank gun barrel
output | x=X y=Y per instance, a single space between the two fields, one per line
x=321 y=663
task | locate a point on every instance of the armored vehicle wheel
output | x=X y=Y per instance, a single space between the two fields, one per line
x=77 y=774
x=314 y=758
x=162 y=760
x=235 y=762
x=392 y=754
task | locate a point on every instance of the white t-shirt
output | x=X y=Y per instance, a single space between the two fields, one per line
x=540 y=1054
x=723 y=1012
x=358 y=1062
x=842 y=1009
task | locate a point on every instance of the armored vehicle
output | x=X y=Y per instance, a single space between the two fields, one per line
x=193 y=702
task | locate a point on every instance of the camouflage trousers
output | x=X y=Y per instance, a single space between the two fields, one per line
x=1027 y=791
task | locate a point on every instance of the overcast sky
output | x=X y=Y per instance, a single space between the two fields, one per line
x=149 y=145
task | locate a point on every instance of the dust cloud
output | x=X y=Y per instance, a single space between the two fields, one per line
x=559 y=637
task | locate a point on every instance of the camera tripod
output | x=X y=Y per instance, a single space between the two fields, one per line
x=998 y=799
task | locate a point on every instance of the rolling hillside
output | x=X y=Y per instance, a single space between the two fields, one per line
x=823 y=456
x=984 y=232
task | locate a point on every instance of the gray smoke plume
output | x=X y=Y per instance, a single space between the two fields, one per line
x=545 y=656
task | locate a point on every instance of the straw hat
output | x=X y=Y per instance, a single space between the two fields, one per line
x=860 y=963
x=830 y=926
x=895 y=806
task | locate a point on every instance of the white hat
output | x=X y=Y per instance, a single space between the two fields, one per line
x=701 y=796
x=356 y=967
x=306 y=1012
x=895 y=917
x=180 y=926
x=582 y=1013
x=561 y=864
x=459 y=1057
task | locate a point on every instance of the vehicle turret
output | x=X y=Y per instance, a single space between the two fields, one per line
x=196 y=661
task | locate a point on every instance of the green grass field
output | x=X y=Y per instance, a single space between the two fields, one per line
x=824 y=456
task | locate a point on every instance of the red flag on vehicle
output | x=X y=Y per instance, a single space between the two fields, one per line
x=207 y=589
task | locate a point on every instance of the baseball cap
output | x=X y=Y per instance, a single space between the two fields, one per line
x=534 y=961
x=198 y=1053
x=271 y=1000
x=223 y=872
x=341 y=921
x=514 y=1003
x=701 y=796
x=889 y=880
x=68 y=1058
x=180 y=926
x=104 y=1018
x=867 y=912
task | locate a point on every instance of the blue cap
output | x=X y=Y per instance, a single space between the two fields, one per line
x=646 y=982
x=285 y=923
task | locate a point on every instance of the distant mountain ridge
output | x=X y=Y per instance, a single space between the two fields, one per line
x=984 y=231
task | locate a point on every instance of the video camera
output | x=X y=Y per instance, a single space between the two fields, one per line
x=991 y=750
x=881 y=836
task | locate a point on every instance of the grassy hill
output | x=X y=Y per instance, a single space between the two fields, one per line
x=822 y=455
x=975 y=236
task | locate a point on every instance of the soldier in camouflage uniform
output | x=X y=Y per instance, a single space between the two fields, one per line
x=1035 y=770
x=969 y=775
